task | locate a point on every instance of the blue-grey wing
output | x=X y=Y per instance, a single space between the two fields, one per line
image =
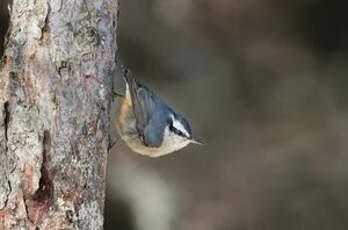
x=143 y=103
x=145 y=106
x=153 y=132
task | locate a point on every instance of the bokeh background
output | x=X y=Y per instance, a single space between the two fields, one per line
x=264 y=85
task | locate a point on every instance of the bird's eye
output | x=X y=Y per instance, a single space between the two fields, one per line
x=179 y=133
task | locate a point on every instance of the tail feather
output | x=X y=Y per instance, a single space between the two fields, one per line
x=127 y=74
x=131 y=84
x=130 y=80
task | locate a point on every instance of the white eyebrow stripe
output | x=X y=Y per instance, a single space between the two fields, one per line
x=179 y=126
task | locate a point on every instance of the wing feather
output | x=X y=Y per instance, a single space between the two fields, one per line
x=148 y=111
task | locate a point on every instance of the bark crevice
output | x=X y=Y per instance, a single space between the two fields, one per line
x=45 y=28
x=6 y=182
x=39 y=202
x=6 y=121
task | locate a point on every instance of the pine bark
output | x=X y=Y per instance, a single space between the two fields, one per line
x=55 y=92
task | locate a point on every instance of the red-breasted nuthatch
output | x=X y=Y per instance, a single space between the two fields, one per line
x=148 y=125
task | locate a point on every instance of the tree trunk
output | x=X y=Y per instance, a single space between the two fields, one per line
x=55 y=92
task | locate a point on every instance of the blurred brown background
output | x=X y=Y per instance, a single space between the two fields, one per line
x=263 y=84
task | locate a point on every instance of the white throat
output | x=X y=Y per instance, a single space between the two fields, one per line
x=171 y=143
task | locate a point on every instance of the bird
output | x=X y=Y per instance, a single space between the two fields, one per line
x=147 y=124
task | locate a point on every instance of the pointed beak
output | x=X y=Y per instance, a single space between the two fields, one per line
x=193 y=141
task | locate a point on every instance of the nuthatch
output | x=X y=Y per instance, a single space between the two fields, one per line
x=148 y=125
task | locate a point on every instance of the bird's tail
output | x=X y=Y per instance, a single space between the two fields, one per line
x=127 y=75
x=131 y=83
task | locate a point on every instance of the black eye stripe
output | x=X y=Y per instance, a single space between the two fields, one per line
x=178 y=132
x=174 y=130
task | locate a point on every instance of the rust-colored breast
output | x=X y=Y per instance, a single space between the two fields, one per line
x=124 y=114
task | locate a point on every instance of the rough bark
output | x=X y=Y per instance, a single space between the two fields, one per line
x=55 y=91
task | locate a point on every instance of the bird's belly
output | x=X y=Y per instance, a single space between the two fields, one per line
x=166 y=147
x=137 y=146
